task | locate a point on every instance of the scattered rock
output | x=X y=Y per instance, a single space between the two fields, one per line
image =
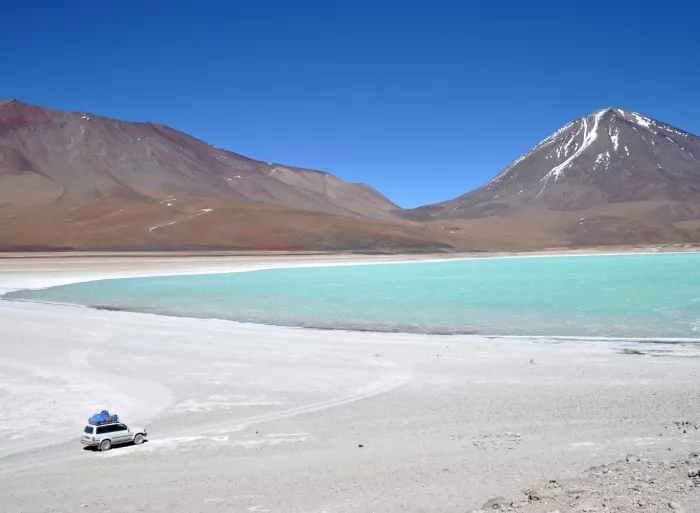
x=634 y=484
x=578 y=492
x=360 y=446
x=537 y=495
x=497 y=503
x=631 y=351
x=582 y=508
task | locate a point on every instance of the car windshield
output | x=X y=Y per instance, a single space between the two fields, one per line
x=88 y=430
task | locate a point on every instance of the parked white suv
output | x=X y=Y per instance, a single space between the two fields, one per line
x=106 y=435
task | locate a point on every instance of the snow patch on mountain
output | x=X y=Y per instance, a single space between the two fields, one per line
x=545 y=142
x=161 y=226
x=604 y=159
x=615 y=138
x=641 y=120
x=588 y=137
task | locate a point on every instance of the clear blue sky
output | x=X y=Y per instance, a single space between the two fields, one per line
x=422 y=100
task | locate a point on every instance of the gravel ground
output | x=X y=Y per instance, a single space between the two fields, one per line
x=631 y=484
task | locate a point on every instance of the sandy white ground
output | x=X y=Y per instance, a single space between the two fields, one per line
x=271 y=419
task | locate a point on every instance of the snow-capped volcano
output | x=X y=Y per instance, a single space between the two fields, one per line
x=611 y=156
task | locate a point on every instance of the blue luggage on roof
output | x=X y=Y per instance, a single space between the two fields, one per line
x=103 y=417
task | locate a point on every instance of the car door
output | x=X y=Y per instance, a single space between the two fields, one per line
x=102 y=432
x=109 y=432
x=121 y=434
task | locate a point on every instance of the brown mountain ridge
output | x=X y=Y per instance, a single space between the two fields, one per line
x=87 y=182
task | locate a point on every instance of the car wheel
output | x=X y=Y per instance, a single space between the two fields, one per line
x=138 y=439
x=105 y=445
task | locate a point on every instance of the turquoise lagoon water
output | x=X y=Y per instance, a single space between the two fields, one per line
x=630 y=296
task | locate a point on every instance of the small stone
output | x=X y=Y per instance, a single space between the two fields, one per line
x=692 y=473
x=360 y=445
x=586 y=507
x=578 y=491
x=693 y=455
x=497 y=504
x=631 y=458
x=674 y=505
x=534 y=495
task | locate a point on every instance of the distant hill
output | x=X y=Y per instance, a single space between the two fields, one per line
x=81 y=180
x=49 y=155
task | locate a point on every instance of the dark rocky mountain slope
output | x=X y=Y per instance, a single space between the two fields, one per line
x=610 y=157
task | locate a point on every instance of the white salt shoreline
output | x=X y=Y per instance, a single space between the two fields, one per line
x=189 y=270
x=435 y=415
x=42 y=281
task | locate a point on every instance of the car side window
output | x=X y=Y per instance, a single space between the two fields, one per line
x=102 y=430
x=121 y=427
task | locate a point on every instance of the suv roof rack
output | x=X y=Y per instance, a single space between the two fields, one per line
x=106 y=423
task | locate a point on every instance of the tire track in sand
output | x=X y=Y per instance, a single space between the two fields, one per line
x=68 y=452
